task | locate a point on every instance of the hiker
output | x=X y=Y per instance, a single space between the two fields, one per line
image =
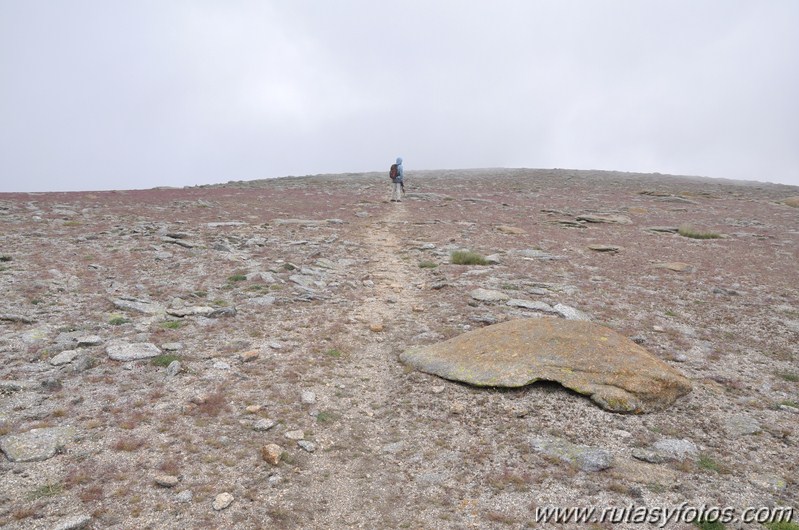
x=397 y=184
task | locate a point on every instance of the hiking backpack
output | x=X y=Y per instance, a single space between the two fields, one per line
x=393 y=173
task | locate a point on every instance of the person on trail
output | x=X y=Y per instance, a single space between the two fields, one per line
x=397 y=184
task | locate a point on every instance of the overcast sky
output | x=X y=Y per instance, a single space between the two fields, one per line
x=113 y=94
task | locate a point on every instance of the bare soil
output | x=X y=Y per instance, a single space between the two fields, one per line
x=328 y=300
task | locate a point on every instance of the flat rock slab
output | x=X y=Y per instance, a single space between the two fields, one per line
x=604 y=248
x=590 y=359
x=511 y=230
x=611 y=219
x=123 y=351
x=489 y=295
x=585 y=458
x=139 y=306
x=676 y=266
x=37 y=444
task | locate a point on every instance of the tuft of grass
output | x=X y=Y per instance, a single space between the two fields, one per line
x=689 y=231
x=118 y=320
x=782 y=525
x=466 y=257
x=709 y=525
x=670 y=313
x=171 y=324
x=5 y=259
x=790 y=376
x=288 y=267
x=705 y=462
x=336 y=354
x=236 y=278
x=326 y=417
x=164 y=360
x=428 y=264
x=48 y=490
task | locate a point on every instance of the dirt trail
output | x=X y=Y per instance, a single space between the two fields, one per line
x=359 y=487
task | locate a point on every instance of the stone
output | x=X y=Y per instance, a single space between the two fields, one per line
x=511 y=230
x=437 y=389
x=676 y=266
x=222 y=501
x=676 y=448
x=531 y=305
x=36 y=445
x=75 y=522
x=295 y=435
x=249 y=356
x=612 y=219
x=65 y=357
x=570 y=313
x=604 y=248
x=488 y=295
x=264 y=424
x=166 y=481
x=653 y=457
x=124 y=351
x=91 y=340
x=184 y=496
x=590 y=359
x=139 y=306
x=173 y=369
x=308 y=397
x=664 y=229
x=223 y=312
x=740 y=425
x=493 y=259
x=271 y=453
x=172 y=346
x=306 y=445
x=536 y=253
x=221 y=365
x=589 y=459
x=196 y=310
x=262 y=301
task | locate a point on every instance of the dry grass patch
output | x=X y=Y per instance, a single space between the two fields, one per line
x=689 y=231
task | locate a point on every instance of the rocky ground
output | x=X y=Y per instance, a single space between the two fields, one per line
x=265 y=322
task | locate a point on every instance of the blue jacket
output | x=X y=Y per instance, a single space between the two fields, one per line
x=400 y=173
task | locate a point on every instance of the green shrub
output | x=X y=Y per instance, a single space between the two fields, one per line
x=688 y=231
x=5 y=258
x=164 y=360
x=237 y=278
x=782 y=525
x=709 y=525
x=427 y=265
x=171 y=324
x=465 y=257
x=118 y=320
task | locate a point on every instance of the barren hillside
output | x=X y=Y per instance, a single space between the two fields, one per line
x=287 y=302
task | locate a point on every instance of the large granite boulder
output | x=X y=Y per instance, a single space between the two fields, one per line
x=588 y=358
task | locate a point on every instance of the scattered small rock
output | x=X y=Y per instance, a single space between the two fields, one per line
x=604 y=248
x=308 y=397
x=676 y=266
x=75 y=522
x=222 y=501
x=677 y=449
x=511 y=230
x=271 y=453
x=65 y=357
x=173 y=369
x=488 y=295
x=586 y=458
x=263 y=425
x=184 y=496
x=437 y=389
x=37 y=444
x=306 y=445
x=295 y=435
x=376 y=327
x=122 y=351
x=740 y=425
x=166 y=481
x=249 y=356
